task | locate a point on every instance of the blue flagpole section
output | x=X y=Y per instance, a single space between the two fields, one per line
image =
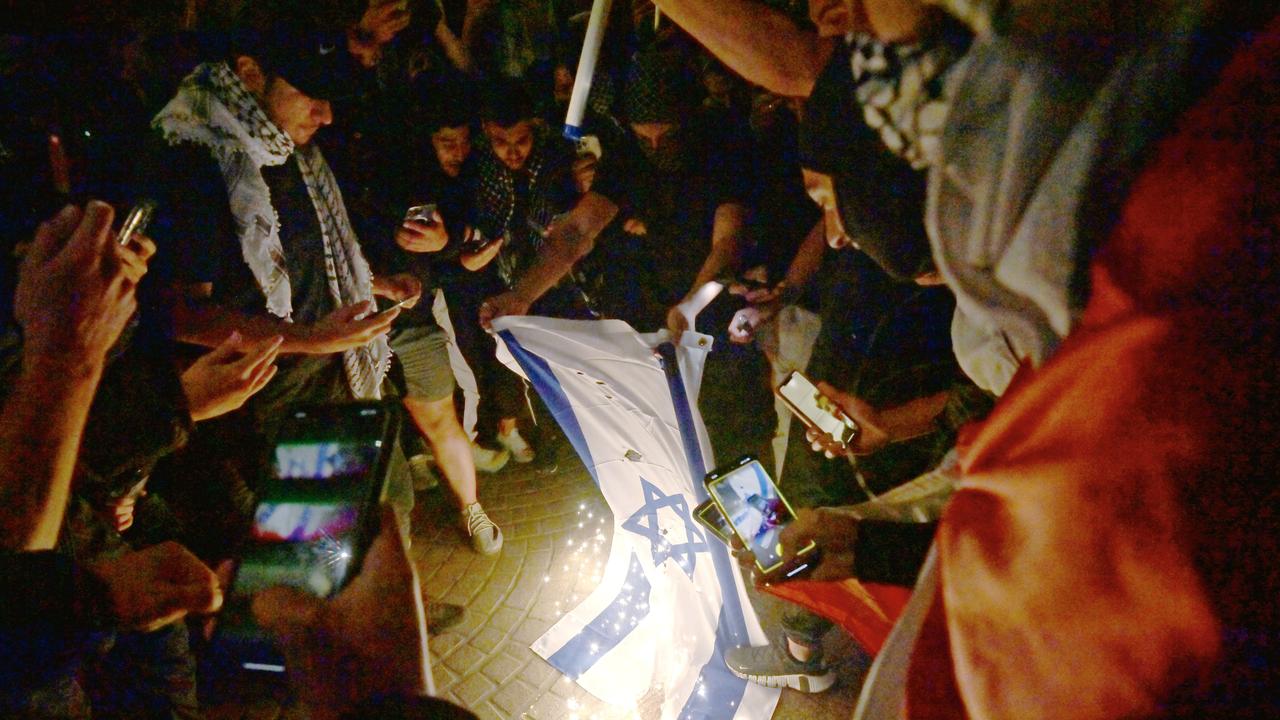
x=718 y=691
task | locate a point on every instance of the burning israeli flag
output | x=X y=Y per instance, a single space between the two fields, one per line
x=671 y=600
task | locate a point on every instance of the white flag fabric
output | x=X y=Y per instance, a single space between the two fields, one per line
x=671 y=599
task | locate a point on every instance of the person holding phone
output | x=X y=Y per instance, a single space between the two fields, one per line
x=278 y=255
x=445 y=250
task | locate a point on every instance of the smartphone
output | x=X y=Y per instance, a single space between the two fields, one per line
x=316 y=515
x=398 y=305
x=750 y=501
x=816 y=410
x=422 y=213
x=475 y=241
x=135 y=223
x=709 y=516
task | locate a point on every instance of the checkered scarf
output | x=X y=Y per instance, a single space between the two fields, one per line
x=496 y=207
x=213 y=108
x=900 y=89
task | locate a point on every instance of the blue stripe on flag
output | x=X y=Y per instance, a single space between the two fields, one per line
x=608 y=628
x=548 y=387
x=717 y=689
x=578 y=655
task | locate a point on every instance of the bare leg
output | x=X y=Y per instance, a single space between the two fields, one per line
x=438 y=421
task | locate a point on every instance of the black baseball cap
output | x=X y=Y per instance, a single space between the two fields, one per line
x=314 y=60
x=303 y=43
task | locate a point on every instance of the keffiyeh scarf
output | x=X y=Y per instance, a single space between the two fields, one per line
x=900 y=90
x=214 y=109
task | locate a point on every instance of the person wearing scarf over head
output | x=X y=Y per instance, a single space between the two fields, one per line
x=1103 y=203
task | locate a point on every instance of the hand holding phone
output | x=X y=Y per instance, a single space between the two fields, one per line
x=135 y=223
x=709 y=516
x=422 y=230
x=750 y=501
x=317 y=514
x=817 y=411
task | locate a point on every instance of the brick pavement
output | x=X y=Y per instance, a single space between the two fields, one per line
x=557 y=529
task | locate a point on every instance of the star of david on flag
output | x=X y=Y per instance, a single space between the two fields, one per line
x=645 y=523
x=628 y=404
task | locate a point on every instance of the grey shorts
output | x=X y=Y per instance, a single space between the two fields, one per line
x=424 y=354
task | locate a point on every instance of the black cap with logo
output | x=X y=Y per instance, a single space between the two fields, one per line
x=303 y=43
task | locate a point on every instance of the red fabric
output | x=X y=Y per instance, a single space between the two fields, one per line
x=866 y=611
x=1119 y=508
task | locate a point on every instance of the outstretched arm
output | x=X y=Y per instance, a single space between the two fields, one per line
x=761 y=44
x=570 y=238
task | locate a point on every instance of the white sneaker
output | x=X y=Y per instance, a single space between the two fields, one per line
x=521 y=452
x=486 y=538
x=488 y=460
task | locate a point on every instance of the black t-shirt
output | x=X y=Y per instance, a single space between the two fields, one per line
x=196 y=243
x=713 y=166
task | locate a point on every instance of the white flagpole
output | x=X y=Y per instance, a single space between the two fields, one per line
x=586 y=68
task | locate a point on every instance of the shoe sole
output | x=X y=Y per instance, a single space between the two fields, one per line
x=802 y=683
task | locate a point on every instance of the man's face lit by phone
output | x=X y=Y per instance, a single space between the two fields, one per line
x=511 y=145
x=822 y=190
x=298 y=114
x=452 y=146
x=660 y=143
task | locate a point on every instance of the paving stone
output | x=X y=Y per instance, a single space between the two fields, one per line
x=514 y=697
x=488 y=640
x=501 y=667
x=488 y=599
x=505 y=618
x=463 y=659
x=473 y=689
x=539 y=672
x=548 y=707
x=443 y=643
x=530 y=630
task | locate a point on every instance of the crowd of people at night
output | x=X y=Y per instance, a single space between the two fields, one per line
x=1028 y=246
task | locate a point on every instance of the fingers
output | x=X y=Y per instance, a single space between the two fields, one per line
x=351 y=312
x=92 y=233
x=191 y=586
x=132 y=264
x=796 y=535
x=142 y=246
x=259 y=357
x=227 y=350
x=262 y=380
x=634 y=226
x=52 y=235
x=418 y=227
x=486 y=314
x=375 y=325
x=476 y=261
x=823 y=443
